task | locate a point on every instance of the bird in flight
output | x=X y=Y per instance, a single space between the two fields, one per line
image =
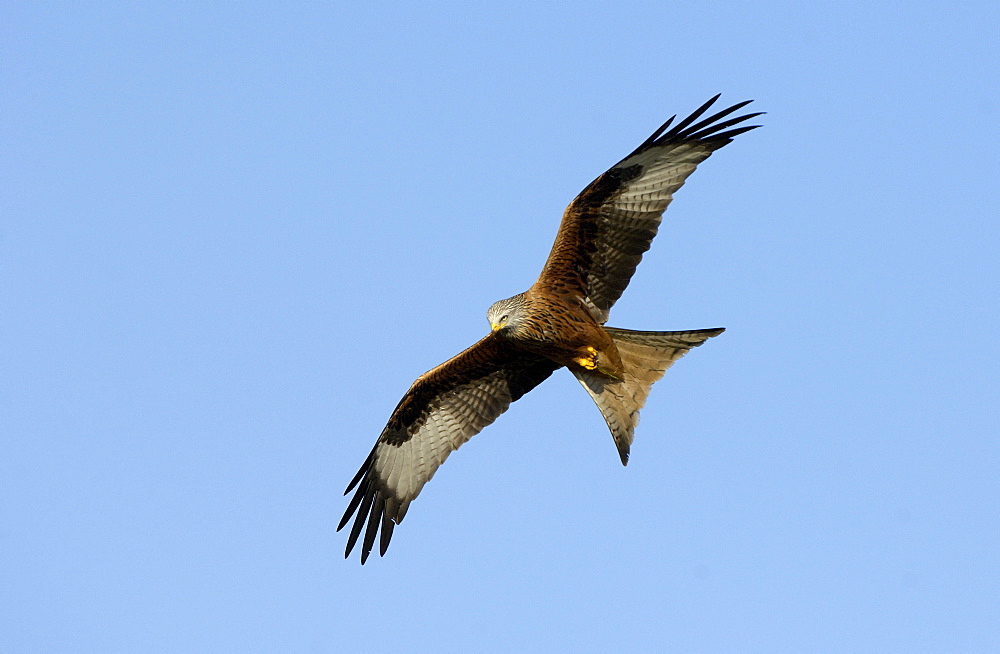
x=558 y=322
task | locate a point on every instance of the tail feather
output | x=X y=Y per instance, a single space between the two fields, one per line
x=646 y=356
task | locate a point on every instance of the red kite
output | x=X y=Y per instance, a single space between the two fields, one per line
x=557 y=322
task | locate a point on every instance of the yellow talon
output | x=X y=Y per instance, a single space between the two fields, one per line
x=588 y=362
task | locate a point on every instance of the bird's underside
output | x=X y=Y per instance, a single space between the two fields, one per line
x=558 y=322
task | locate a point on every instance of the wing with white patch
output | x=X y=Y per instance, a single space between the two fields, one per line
x=611 y=223
x=443 y=409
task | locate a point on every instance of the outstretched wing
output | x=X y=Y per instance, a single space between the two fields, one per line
x=442 y=410
x=609 y=225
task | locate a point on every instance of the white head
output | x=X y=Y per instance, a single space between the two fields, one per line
x=505 y=314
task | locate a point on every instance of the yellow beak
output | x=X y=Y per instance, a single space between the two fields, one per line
x=494 y=326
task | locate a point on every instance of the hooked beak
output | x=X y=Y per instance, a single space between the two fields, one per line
x=494 y=326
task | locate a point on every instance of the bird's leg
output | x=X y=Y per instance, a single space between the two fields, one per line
x=589 y=358
x=586 y=358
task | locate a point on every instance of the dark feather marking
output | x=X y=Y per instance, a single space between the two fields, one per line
x=371 y=502
x=373 y=522
x=655 y=135
x=722 y=114
x=368 y=490
x=728 y=136
x=679 y=127
x=703 y=131
x=709 y=135
x=600 y=244
x=386 y=535
x=356 y=500
x=361 y=472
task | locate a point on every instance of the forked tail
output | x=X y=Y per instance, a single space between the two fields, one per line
x=646 y=356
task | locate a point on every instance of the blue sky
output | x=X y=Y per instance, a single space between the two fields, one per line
x=232 y=236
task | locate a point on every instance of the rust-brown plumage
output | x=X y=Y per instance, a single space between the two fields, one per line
x=557 y=322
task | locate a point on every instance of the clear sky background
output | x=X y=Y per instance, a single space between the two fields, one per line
x=232 y=236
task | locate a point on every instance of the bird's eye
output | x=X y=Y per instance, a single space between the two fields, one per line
x=503 y=318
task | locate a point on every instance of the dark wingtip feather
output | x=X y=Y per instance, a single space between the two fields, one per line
x=697 y=129
x=695 y=115
x=361 y=491
x=386 y=534
x=726 y=137
x=374 y=520
x=718 y=127
x=655 y=135
x=361 y=473
x=706 y=130
x=359 y=520
x=367 y=508
x=355 y=501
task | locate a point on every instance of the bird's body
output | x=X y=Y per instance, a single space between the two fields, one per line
x=558 y=322
x=561 y=328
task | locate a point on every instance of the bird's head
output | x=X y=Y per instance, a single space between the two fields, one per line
x=505 y=314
